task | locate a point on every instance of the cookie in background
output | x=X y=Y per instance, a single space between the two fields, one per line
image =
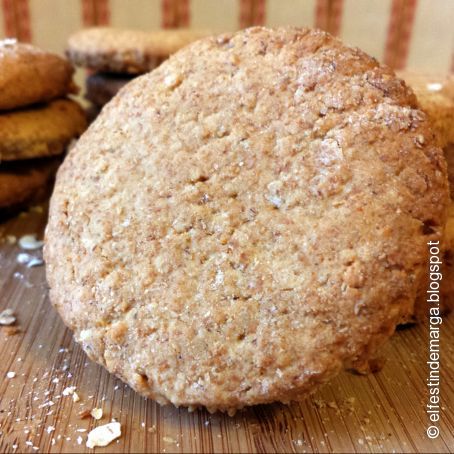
x=435 y=94
x=37 y=119
x=115 y=56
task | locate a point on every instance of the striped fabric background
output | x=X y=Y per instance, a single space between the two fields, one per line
x=418 y=34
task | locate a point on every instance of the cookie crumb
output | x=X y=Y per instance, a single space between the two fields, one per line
x=10 y=239
x=30 y=243
x=168 y=440
x=35 y=261
x=104 y=435
x=7 y=317
x=96 y=413
x=23 y=258
x=68 y=391
x=10 y=374
x=84 y=414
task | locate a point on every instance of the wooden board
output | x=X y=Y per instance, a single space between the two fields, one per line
x=384 y=412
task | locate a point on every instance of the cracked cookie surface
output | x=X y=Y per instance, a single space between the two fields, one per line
x=247 y=220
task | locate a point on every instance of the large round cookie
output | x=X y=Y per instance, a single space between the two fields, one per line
x=41 y=130
x=247 y=220
x=29 y=75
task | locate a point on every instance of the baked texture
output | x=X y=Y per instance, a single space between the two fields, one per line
x=448 y=86
x=449 y=155
x=106 y=49
x=447 y=284
x=101 y=87
x=436 y=97
x=224 y=236
x=41 y=130
x=30 y=75
x=19 y=182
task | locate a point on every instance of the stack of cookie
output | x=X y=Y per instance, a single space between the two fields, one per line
x=116 y=56
x=436 y=97
x=37 y=121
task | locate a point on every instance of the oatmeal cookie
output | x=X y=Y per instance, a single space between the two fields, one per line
x=247 y=220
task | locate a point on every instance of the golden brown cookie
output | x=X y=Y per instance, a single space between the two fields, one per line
x=224 y=236
x=102 y=87
x=29 y=75
x=105 y=49
x=41 y=130
x=21 y=181
x=435 y=94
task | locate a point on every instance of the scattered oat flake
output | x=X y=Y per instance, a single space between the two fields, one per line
x=23 y=258
x=47 y=404
x=79 y=440
x=7 y=317
x=10 y=374
x=11 y=239
x=103 y=435
x=168 y=439
x=69 y=390
x=50 y=429
x=96 y=413
x=76 y=397
x=30 y=243
x=35 y=261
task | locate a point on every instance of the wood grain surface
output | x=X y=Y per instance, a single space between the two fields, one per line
x=383 y=412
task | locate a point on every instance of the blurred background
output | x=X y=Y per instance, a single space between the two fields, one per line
x=414 y=34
